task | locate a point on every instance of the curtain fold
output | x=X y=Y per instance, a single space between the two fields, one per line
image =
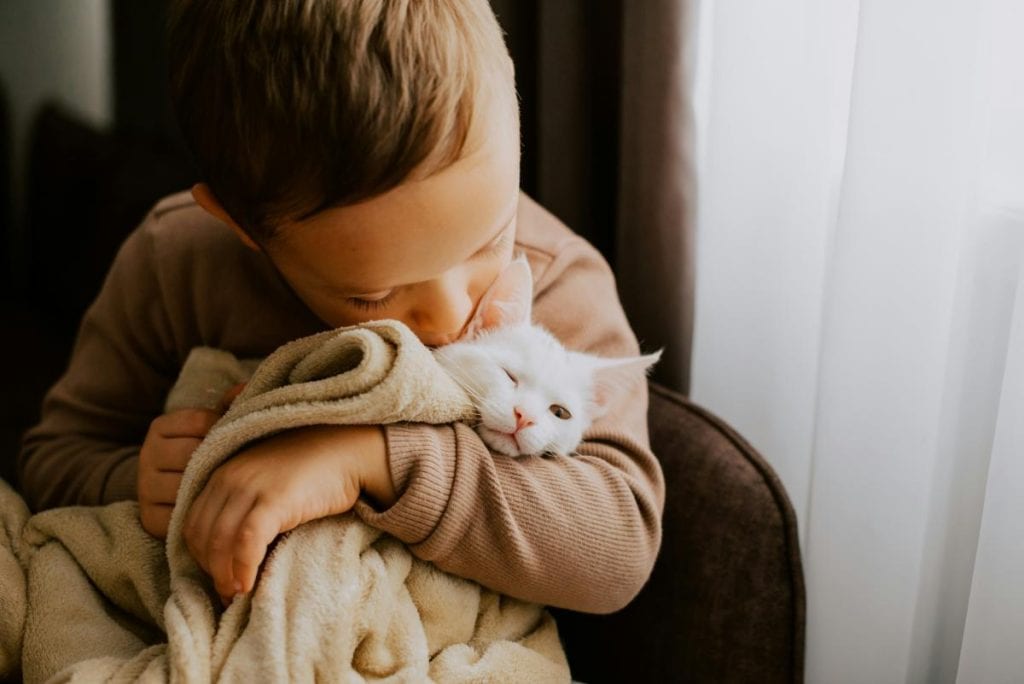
x=608 y=147
x=991 y=650
x=657 y=183
x=861 y=234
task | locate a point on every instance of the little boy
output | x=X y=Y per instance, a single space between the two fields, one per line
x=360 y=161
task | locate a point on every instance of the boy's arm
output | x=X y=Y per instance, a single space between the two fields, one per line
x=84 y=451
x=577 y=532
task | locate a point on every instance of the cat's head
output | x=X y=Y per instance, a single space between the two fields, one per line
x=532 y=394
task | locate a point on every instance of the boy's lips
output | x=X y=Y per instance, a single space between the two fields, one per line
x=437 y=341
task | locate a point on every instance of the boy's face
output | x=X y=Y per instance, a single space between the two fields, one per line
x=423 y=253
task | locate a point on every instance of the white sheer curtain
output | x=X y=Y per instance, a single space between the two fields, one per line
x=860 y=312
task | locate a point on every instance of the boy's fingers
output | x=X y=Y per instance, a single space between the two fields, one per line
x=156 y=518
x=198 y=524
x=257 y=531
x=175 y=453
x=159 y=487
x=185 y=423
x=223 y=544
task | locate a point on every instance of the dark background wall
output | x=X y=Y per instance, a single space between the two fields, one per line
x=83 y=188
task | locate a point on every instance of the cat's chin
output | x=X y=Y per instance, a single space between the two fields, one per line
x=499 y=441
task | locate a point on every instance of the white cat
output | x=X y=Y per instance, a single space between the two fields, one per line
x=533 y=395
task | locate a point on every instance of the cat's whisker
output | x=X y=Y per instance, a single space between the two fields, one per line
x=478 y=397
x=483 y=404
x=481 y=401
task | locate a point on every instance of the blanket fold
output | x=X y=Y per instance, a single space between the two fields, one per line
x=336 y=600
x=13 y=599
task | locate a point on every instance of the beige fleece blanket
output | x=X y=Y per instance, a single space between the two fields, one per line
x=87 y=595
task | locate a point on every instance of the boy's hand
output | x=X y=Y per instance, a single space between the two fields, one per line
x=276 y=485
x=165 y=452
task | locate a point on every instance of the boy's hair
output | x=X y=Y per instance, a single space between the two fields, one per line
x=294 y=106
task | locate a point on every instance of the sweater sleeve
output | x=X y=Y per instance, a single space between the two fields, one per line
x=576 y=532
x=84 y=451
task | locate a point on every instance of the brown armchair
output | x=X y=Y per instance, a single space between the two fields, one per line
x=725 y=602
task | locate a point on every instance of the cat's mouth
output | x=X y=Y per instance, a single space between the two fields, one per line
x=504 y=441
x=511 y=436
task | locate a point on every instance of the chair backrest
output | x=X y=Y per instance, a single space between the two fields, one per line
x=725 y=602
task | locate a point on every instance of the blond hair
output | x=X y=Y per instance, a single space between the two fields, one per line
x=294 y=106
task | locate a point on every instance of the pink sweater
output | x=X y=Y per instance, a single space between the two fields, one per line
x=579 y=533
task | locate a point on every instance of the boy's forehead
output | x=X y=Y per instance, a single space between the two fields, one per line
x=408 y=235
x=422 y=227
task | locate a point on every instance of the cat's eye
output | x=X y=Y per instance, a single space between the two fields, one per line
x=560 y=412
x=511 y=377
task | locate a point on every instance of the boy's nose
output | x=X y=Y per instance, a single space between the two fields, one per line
x=443 y=310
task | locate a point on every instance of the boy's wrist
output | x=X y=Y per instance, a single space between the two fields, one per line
x=374 y=470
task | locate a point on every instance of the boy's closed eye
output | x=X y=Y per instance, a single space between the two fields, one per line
x=379 y=300
x=372 y=302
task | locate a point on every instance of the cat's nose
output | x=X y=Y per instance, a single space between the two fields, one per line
x=521 y=420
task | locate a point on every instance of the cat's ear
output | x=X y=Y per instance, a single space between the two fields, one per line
x=613 y=376
x=508 y=301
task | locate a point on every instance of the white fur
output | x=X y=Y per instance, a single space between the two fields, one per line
x=546 y=373
x=545 y=377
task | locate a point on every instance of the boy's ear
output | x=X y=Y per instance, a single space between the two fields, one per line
x=205 y=198
x=508 y=301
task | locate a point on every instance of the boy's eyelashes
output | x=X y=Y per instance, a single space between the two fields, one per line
x=374 y=301
x=372 y=304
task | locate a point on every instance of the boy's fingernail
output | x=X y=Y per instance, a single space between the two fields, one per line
x=238 y=587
